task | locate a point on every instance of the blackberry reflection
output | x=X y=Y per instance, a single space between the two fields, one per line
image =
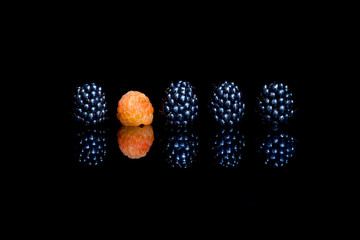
x=181 y=147
x=227 y=147
x=91 y=147
x=277 y=148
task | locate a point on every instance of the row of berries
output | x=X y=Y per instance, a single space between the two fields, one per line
x=181 y=107
x=182 y=146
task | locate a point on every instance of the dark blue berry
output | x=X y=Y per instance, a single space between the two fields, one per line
x=180 y=104
x=226 y=105
x=88 y=100
x=276 y=104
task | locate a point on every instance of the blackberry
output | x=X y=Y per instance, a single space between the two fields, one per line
x=277 y=148
x=276 y=103
x=228 y=146
x=180 y=104
x=90 y=104
x=91 y=149
x=226 y=105
x=181 y=148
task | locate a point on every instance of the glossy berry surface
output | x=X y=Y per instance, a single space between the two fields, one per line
x=90 y=104
x=226 y=105
x=181 y=148
x=276 y=103
x=278 y=148
x=228 y=147
x=135 y=109
x=180 y=104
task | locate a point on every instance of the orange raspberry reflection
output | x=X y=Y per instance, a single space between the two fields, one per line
x=135 y=142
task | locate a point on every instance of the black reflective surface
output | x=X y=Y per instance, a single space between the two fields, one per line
x=261 y=163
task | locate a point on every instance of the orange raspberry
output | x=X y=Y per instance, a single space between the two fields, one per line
x=135 y=109
x=135 y=142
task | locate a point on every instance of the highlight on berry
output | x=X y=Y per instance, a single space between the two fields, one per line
x=180 y=105
x=181 y=147
x=90 y=105
x=91 y=147
x=226 y=105
x=135 y=109
x=277 y=149
x=227 y=147
x=276 y=104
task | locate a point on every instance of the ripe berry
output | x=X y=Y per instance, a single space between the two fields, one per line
x=135 y=109
x=180 y=104
x=227 y=106
x=276 y=103
x=90 y=104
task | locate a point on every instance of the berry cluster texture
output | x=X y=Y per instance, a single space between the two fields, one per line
x=278 y=148
x=181 y=148
x=91 y=148
x=90 y=104
x=228 y=147
x=181 y=104
x=135 y=142
x=135 y=109
x=226 y=105
x=276 y=103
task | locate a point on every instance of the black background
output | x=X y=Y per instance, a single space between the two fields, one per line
x=147 y=57
x=149 y=65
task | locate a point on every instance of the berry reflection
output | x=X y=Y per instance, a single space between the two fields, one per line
x=277 y=148
x=181 y=148
x=228 y=146
x=91 y=149
x=135 y=142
